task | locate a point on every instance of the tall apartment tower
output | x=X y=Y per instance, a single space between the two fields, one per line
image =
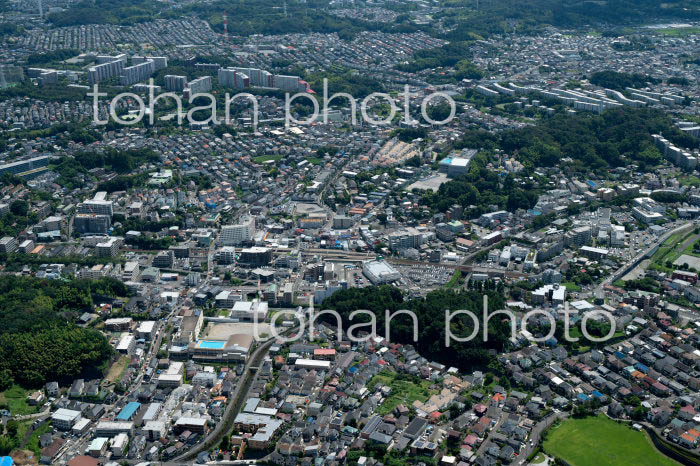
x=175 y=83
x=234 y=235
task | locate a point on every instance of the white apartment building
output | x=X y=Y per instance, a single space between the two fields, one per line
x=65 y=419
x=96 y=206
x=234 y=235
x=109 y=248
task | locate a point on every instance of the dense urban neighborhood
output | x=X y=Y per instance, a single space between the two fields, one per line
x=349 y=232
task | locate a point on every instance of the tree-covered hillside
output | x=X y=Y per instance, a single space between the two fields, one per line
x=529 y=15
x=431 y=321
x=584 y=143
x=460 y=17
x=39 y=340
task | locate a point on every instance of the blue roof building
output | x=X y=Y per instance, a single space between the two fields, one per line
x=128 y=411
x=641 y=368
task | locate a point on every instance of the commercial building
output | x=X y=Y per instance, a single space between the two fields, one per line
x=380 y=272
x=150 y=275
x=341 y=222
x=646 y=216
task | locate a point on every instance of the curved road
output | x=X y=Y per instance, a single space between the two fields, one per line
x=226 y=422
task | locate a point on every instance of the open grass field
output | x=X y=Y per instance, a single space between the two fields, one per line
x=679 y=32
x=403 y=391
x=599 y=441
x=672 y=249
x=33 y=443
x=571 y=286
x=265 y=158
x=117 y=369
x=689 y=180
x=314 y=160
x=15 y=398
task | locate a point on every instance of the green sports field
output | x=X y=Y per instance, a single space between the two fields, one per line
x=599 y=441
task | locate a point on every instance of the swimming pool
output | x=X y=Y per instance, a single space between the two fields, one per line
x=211 y=344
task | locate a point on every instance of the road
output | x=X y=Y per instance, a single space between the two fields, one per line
x=77 y=446
x=226 y=423
x=536 y=434
x=351 y=256
x=26 y=417
x=643 y=254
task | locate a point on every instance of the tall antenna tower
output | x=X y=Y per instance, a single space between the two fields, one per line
x=225 y=26
x=477 y=5
x=285 y=8
x=41 y=10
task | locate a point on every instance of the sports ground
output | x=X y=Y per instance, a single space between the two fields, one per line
x=599 y=441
